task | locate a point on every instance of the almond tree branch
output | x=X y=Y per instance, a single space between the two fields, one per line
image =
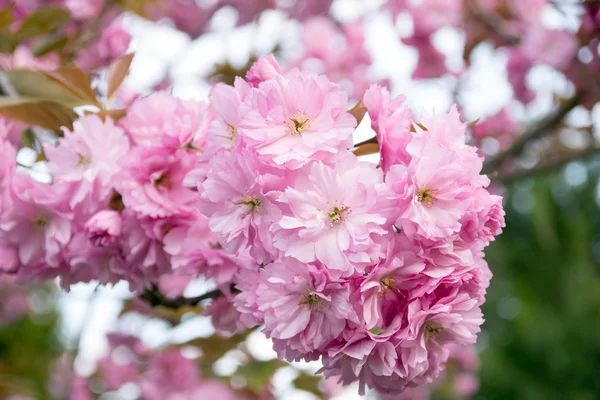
x=547 y=167
x=155 y=298
x=535 y=132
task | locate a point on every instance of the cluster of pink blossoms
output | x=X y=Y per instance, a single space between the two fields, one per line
x=374 y=269
x=119 y=206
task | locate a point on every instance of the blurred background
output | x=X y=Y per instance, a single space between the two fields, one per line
x=524 y=74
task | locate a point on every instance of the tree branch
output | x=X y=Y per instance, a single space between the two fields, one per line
x=155 y=298
x=547 y=167
x=492 y=21
x=535 y=132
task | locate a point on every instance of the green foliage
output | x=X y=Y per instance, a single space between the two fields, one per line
x=28 y=349
x=543 y=308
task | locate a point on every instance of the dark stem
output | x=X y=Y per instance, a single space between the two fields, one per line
x=368 y=141
x=535 y=132
x=547 y=167
x=155 y=298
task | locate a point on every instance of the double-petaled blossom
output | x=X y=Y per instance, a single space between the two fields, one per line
x=162 y=116
x=435 y=190
x=151 y=181
x=225 y=101
x=377 y=271
x=392 y=121
x=336 y=215
x=37 y=222
x=88 y=158
x=239 y=201
x=303 y=305
x=296 y=118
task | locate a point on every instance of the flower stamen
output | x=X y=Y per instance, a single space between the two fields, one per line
x=337 y=213
x=299 y=122
x=432 y=330
x=313 y=301
x=426 y=197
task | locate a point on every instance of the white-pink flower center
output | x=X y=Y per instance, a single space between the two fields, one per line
x=42 y=221
x=299 y=122
x=252 y=203
x=426 y=196
x=337 y=213
x=313 y=302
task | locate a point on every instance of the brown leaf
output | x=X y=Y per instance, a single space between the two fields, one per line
x=117 y=72
x=6 y=17
x=75 y=81
x=365 y=149
x=43 y=113
x=39 y=86
x=358 y=111
x=115 y=115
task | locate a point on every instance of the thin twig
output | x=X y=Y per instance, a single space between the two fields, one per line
x=535 y=132
x=547 y=167
x=155 y=298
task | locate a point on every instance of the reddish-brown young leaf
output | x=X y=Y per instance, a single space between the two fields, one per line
x=117 y=72
x=6 y=17
x=75 y=81
x=358 y=111
x=43 y=113
x=365 y=149
x=115 y=115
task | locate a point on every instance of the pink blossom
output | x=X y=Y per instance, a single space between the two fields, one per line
x=336 y=215
x=226 y=102
x=152 y=182
x=431 y=63
x=298 y=117
x=170 y=374
x=446 y=315
x=303 y=305
x=113 y=44
x=88 y=158
x=264 y=69
x=554 y=47
x=224 y=317
x=392 y=121
x=483 y=221
x=518 y=67
x=84 y=9
x=302 y=10
x=239 y=202
x=11 y=130
x=37 y=222
x=161 y=114
x=246 y=302
x=104 y=228
x=501 y=126
x=434 y=191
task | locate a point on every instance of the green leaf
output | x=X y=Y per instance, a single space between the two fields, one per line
x=45 y=19
x=37 y=85
x=309 y=383
x=51 y=43
x=258 y=373
x=6 y=41
x=43 y=113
